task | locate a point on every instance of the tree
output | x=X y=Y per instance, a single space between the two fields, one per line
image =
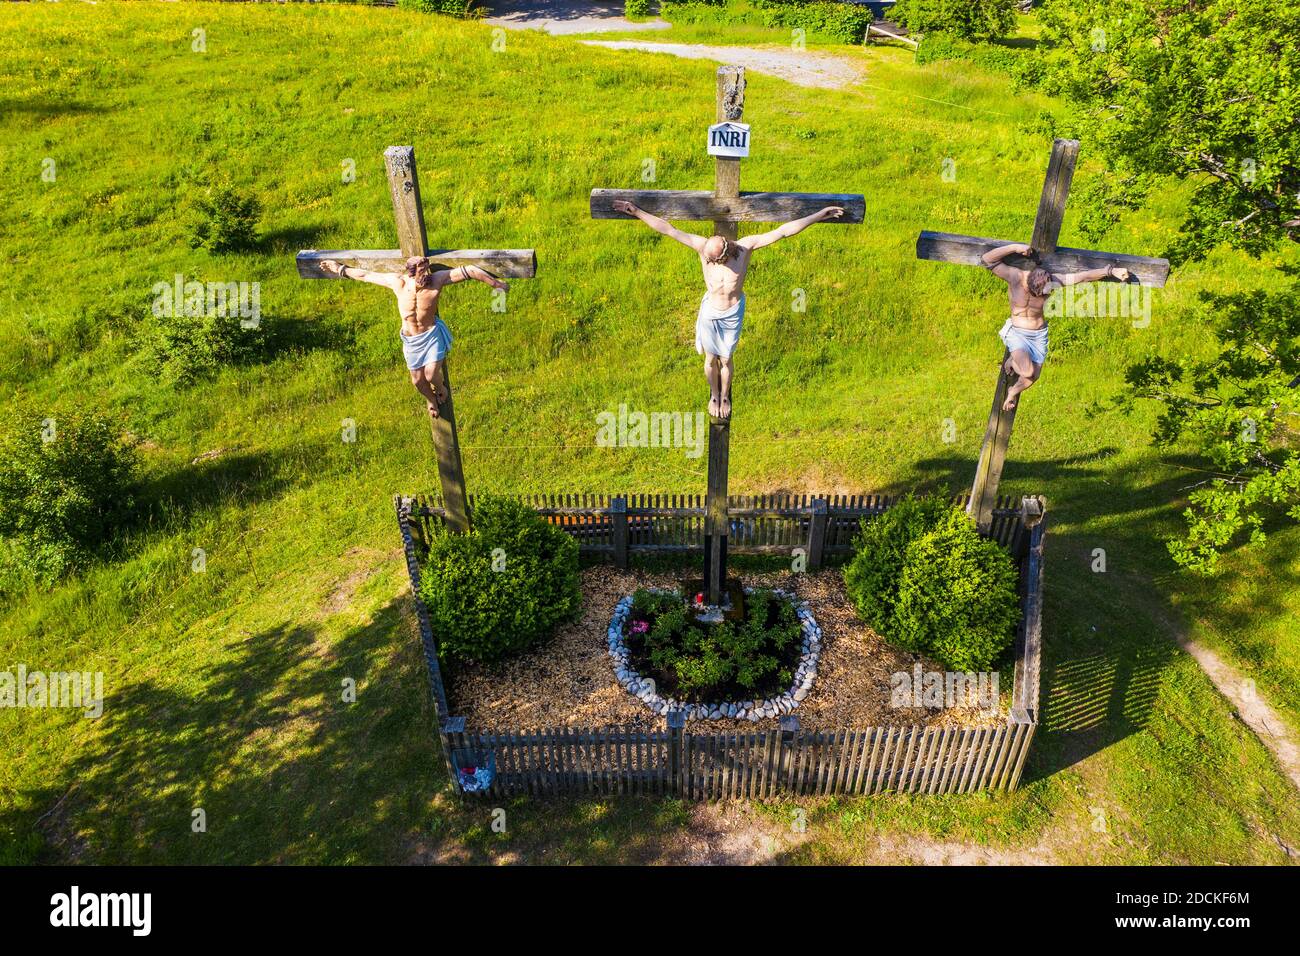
x=1237 y=408
x=1203 y=91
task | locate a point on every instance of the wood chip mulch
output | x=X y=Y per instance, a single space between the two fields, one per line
x=569 y=681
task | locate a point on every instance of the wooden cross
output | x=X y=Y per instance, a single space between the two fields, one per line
x=726 y=206
x=968 y=250
x=404 y=185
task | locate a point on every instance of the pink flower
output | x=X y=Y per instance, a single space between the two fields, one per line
x=640 y=627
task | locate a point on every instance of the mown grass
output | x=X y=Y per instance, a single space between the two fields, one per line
x=225 y=687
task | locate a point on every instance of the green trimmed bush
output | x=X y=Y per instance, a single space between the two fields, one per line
x=485 y=603
x=636 y=8
x=67 y=483
x=966 y=19
x=927 y=582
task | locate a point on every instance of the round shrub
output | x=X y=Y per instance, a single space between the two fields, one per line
x=924 y=579
x=636 y=8
x=502 y=587
x=66 y=486
x=957 y=598
x=871 y=578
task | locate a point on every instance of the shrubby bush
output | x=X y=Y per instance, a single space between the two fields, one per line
x=184 y=344
x=225 y=219
x=67 y=483
x=455 y=8
x=483 y=613
x=835 y=22
x=925 y=580
x=636 y=8
x=966 y=19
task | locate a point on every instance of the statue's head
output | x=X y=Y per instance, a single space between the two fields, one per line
x=417 y=267
x=718 y=249
x=1038 y=280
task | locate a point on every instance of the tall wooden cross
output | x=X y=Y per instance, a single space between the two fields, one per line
x=404 y=185
x=726 y=206
x=968 y=250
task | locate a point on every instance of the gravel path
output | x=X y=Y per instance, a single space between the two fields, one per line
x=822 y=70
x=566 y=16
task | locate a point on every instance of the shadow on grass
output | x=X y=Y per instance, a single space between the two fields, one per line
x=263 y=743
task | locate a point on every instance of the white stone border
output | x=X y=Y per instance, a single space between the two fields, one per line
x=752 y=710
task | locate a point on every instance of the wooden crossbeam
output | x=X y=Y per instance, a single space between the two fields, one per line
x=502 y=263
x=966 y=251
x=704 y=206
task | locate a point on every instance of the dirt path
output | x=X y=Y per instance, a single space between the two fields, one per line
x=566 y=16
x=822 y=70
x=1253 y=710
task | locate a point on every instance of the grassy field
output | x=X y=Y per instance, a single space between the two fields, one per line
x=224 y=687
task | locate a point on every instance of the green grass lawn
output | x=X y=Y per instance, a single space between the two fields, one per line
x=224 y=688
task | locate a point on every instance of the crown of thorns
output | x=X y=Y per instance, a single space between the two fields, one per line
x=725 y=254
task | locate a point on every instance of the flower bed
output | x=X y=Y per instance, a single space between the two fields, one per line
x=677 y=656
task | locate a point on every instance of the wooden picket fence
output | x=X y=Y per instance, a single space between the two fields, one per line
x=764 y=763
x=620 y=526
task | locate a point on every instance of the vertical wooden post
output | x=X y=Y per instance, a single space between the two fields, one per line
x=404 y=186
x=453 y=731
x=716 y=524
x=997 y=434
x=817 y=533
x=676 y=721
x=789 y=737
x=993 y=453
x=726 y=172
x=618 y=515
x=726 y=184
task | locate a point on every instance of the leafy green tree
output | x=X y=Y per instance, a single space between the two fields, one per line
x=1202 y=90
x=1206 y=92
x=1238 y=408
x=967 y=19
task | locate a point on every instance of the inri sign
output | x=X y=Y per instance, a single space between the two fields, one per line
x=729 y=139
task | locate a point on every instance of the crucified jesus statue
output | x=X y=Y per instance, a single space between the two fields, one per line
x=722 y=310
x=426 y=340
x=1025 y=333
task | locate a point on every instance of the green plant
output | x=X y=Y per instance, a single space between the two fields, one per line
x=923 y=578
x=190 y=337
x=503 y=586
x=454 y=8
x=714 y=662
x=226 y=219
x=967 y=19
x=67 y=483
x=636 y=8
x=826 y=21
x=957 y=598
x=944 y=46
